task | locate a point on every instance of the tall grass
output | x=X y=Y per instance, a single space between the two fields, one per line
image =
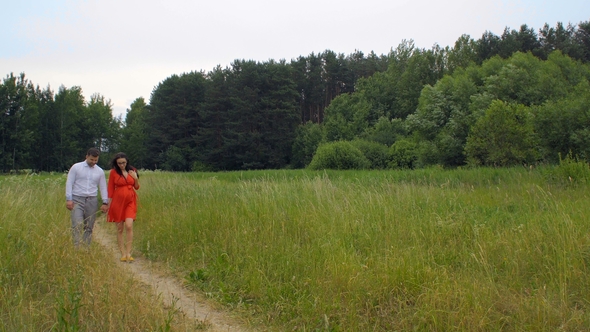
x=46 y=285
x=476 y=250
x=433 y=249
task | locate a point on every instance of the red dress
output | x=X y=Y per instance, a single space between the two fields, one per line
x=123 y=197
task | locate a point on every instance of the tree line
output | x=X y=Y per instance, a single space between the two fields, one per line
x=520 y=97
x=47 y=131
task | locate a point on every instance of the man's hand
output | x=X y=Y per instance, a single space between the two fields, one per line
x=104 y=208
x=70 y=205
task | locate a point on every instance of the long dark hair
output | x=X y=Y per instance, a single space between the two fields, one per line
x=116 y=167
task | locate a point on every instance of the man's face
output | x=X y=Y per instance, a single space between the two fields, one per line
x=91 y=160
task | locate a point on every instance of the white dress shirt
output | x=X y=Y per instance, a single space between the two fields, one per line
x=85 y=181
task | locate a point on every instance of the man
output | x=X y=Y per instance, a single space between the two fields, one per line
x=84 y=180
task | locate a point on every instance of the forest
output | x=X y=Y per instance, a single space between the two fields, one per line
x=521 y=98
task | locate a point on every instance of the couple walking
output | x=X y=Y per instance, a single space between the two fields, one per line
x=119 y=199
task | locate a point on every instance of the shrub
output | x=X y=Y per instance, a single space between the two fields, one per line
x=569 y=171
x=504 y=136
x=376 y=153
x=402 y=154
x=339 y=155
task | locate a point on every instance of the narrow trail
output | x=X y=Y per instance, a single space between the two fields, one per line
x=171 y=290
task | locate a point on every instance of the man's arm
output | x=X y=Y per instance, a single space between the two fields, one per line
x=70 y=182
x=69 y=186
x=104 y=194
x=102 y=183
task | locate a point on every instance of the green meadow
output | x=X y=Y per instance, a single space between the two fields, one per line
x=293 y=250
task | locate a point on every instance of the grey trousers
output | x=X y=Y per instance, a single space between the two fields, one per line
x=83 y=216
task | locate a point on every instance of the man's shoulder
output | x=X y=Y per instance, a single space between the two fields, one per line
x=78 y=165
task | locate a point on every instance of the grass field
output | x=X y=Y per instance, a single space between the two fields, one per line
x=424 y=250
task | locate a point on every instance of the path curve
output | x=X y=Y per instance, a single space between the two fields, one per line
x=169 y=288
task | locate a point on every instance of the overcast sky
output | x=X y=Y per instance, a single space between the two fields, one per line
x=122 y=49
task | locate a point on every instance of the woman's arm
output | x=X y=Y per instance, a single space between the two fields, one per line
x=111 y=183
x=133 y=174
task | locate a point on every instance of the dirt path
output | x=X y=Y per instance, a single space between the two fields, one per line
x=170 y=289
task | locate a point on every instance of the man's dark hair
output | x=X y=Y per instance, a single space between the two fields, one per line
x=93 y=152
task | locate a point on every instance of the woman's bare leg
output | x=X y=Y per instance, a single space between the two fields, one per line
x=129 y=234
x=120 y=239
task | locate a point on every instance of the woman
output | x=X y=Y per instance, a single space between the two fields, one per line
x=123 y=181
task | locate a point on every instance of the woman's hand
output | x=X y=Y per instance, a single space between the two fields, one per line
x=133 y=174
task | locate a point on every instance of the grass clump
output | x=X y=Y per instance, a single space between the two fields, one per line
x=570 y=171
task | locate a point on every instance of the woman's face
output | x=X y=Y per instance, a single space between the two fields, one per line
x=122 y=162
